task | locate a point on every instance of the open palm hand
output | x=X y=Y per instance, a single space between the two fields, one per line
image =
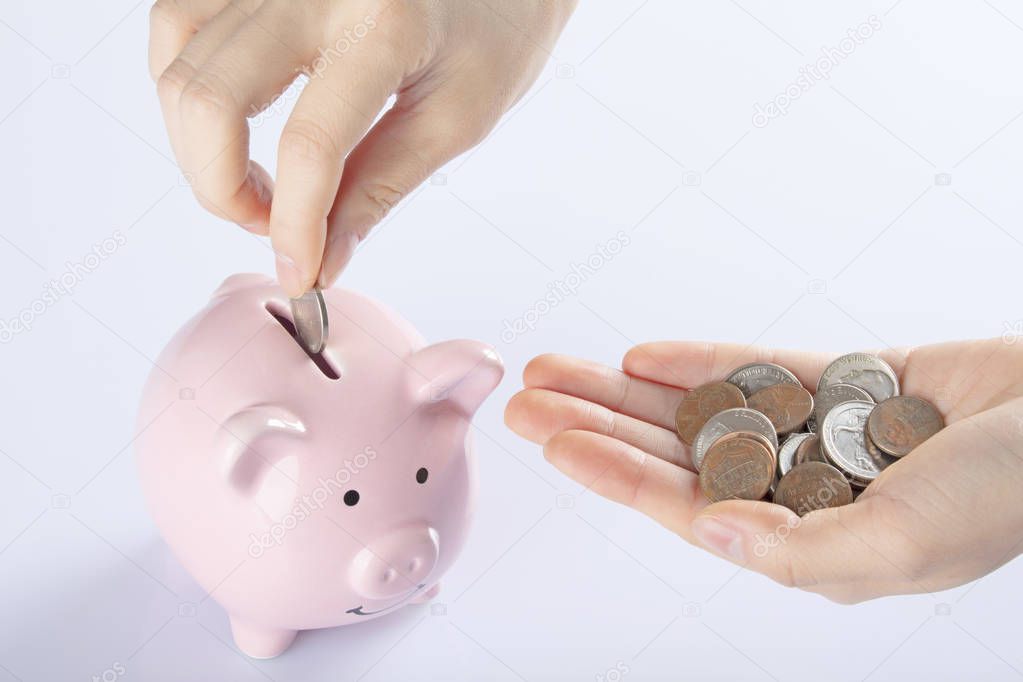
x=947 y=513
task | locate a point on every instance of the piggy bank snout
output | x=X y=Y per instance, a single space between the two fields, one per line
x=395 y=564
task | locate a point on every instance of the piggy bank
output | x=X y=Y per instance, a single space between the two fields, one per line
x=310 y=490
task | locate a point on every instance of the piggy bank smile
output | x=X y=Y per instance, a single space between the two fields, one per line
x=360 y=610
x=263 y=464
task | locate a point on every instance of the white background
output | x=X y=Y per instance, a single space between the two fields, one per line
x=824 y=229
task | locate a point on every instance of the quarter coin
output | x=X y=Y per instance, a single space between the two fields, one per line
x=811 y=486
x=866 y=371
x=702 y=403
x=786 y=405
x=728 y=421
x=829 y=396
x=900 y=424
x=759 y=375
x=843 y=441
x=737 y=468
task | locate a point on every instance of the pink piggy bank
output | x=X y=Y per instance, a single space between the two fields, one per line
x=307 y=491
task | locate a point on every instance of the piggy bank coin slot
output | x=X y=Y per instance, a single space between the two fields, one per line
x=318 y=359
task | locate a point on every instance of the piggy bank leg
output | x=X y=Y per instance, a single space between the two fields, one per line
x=427 y=595
x=257 y=641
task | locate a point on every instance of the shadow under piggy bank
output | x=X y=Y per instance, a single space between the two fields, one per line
x=310 y=490
x=141 y=617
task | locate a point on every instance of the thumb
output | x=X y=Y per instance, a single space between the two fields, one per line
x=848 y=554
x=403 y=149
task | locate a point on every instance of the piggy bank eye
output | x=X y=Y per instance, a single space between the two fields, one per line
x=421 y=475
x=352 y=498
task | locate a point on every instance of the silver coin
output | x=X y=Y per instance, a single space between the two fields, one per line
x=844 y=441
x=862 y=370
x=757 y=375
x=729 y=421
x=309 y=314
x=832 y=395
x=811 y=422
x=787 y=452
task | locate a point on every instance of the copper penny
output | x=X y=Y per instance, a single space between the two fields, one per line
x=900 y=424
x=737 y=468
x=882 y=459
x=813 y=485
x=702 y=403
x=759 y=437
x=810 y=450
x=787 y=406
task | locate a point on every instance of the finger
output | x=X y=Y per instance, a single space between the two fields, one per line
x=402 y=150
x=691 y=363
x=215 y=103
x=605 y=386
x=538 y=415
x=848 y=553
x=332 y=114
x=172 y=23
x=177 y=76
x=949 y=375
x=627 y=475
x=199 y=45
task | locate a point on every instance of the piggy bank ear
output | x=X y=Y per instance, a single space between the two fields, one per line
x=258 y=456
x=458 y=373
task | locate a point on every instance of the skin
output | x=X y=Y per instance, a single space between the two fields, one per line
x=944 y=515
x=455 y=66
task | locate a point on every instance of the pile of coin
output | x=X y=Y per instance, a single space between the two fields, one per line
x=761 y=435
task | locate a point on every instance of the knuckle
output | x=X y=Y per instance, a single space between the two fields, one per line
x=600 y=419
x=308 y=140
x=466 y=134
x=381 y=197
x=206 y=97
x=639 y=478
x=611 y=427
x=711 y=358
x=619 y=385
x=172 y=82
x=419 y=42
x=453 y=134
x=795 y=571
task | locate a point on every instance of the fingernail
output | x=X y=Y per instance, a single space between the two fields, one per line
x=289 y=276
x=338 y=252
x=719 y=538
